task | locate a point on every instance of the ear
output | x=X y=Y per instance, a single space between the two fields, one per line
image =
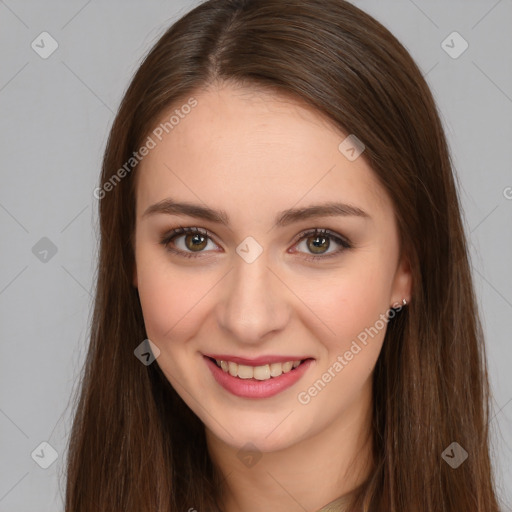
x=402 y=283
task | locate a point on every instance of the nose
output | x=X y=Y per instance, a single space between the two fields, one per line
x=255 y=302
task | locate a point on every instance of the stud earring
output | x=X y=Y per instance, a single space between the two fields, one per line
x=404 y=302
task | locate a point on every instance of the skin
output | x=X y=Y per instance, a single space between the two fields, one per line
x=254 y=154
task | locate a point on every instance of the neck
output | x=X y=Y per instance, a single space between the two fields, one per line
x=306 y=475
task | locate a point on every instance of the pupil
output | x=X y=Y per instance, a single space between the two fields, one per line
x=318 y=245
x=197 y=243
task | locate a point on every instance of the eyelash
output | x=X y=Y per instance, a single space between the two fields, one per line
x=175 y=233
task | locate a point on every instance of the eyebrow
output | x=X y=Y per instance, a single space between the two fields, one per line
x=329 y=209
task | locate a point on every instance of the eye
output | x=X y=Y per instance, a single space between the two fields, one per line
x=318 y=241
x=195 y=240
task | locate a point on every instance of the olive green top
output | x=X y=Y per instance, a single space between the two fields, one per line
x=338 y=505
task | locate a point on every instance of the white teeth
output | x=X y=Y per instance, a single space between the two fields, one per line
x=245 y=372
x=287 y=366
x=233 y=368
x=276 y=369
x=264 y=372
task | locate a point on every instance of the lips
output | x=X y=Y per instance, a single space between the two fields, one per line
x=261 y=368
x=256 y=380
x=260 y=372
x=257 y=361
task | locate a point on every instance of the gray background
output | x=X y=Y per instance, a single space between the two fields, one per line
x=55 y=117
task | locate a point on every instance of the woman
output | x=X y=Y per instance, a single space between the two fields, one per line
x=282 y=250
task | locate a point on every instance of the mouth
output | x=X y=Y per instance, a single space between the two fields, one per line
x=261 y=372
x=269 y=377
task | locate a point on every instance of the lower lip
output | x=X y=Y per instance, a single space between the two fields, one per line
x=254 y=388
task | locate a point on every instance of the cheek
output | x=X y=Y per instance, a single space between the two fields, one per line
x=351 y=301
x=353 y=307
x=171 y=299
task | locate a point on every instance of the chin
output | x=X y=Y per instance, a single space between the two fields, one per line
x=266 y=436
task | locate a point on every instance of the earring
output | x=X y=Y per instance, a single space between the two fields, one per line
x=404 y=302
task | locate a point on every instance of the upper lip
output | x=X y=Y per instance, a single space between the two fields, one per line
x=257 y=361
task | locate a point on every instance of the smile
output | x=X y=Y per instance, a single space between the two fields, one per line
x=265 y=372
x=257 y=381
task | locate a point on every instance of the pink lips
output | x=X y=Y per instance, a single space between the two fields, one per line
x=253 y=388
x=257 y=361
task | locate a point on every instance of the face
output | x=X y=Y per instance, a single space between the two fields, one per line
x=249 y=280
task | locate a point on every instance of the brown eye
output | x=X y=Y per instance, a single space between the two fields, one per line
x=187 y=242
x=318 y=244
x=195 y=241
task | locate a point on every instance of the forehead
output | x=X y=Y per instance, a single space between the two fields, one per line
x=253 y=150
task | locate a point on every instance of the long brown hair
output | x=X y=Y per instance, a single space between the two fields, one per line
x=135 y=446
